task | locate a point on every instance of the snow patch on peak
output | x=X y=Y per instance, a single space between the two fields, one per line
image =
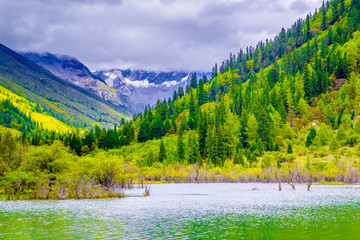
x=140 y=84
x=170 y=84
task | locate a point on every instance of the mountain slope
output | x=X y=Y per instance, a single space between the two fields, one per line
x=70 y=103
x=133 y=89
x=17 y=112
x=75 y=72
x=297 y=108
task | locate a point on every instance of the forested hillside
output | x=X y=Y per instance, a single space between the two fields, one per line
x=285 y=110
x=71 y=104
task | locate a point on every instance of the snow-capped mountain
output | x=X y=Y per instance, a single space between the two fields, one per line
x=145 y=87
x=133 y=89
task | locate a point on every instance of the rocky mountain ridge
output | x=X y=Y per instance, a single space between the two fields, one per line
x=133 y=89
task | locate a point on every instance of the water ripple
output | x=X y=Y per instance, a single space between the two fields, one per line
x=193 y=211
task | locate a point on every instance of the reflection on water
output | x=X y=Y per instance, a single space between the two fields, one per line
x=193 y=211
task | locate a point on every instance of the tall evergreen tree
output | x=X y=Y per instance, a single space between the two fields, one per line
x=202 y=135
x=144 y=131
x=175 y=96
x=308 y=84
x=324 y=20
x=342 y=7
x=310 y=137
x=290 y=148
x=111 y=140
x=101 y=138
x=181 y=92
x=221 y=147
x=243 y=137
x=264 y=128
x=336 y=14
x=201 y=93
x=89 y=139
x=193 y=111
x=342 y=70
x=193 y=81
x=75 y=144
x=180 y=146
x=307 y=31
x=162 y=152
x=193 y=146
x=211 y=144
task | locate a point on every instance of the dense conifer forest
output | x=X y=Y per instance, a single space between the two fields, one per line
x=286 y=111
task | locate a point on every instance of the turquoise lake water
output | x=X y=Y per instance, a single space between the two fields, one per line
x=193 y=211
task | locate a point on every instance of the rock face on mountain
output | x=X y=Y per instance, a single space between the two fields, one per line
x=145 y=87
x=73 y=71
x=133 y=89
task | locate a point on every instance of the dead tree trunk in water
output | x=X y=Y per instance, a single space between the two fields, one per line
x=290 y=179
x=278 y=177
x=309 y=181
x=196 y=168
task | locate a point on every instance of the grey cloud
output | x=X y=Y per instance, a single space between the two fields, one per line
x=152 y=34
x=298 y=6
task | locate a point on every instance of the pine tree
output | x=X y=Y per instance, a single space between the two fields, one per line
x=277 y=147
x=336 y=13
x=264 y=128
x=89 y=139
x=180 y=146
x=334 y=144
x=221 y=147
x=342 y=7
x=252 y=128
x=181 y=92
x=205 y=79
x=323 y=134
x=193 y=111
x=162 y=152
x=144 y=131
x=307 y=32
x=310 y=137
x=290 y=148
x=308 y=85
x=202 y=135
x=97 y=132
x=111 y=140
x=201 y=93
x=211 y=144
x=323 y=24
x=194 y=153
x=128 y=133
x=238 y=101
x=175 y=96
x=273 y=75
x=243 y=137
x=341 y=134
x=193 y=81
x=342 y=69
x=75 y=144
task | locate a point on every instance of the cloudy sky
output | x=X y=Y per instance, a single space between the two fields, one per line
x=149 y=34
